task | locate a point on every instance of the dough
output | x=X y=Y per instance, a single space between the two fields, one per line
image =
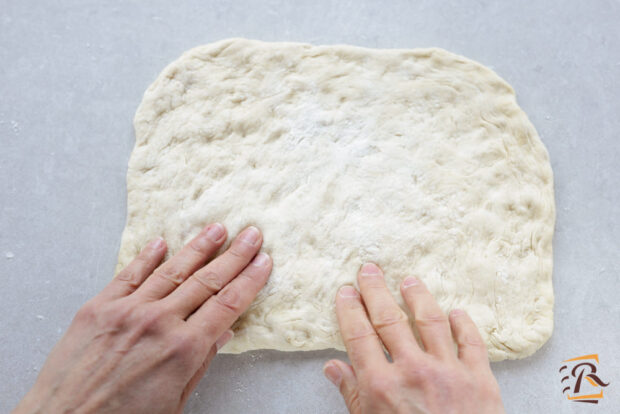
x=419 y=160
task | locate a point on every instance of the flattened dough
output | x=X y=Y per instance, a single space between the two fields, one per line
x=419 y=160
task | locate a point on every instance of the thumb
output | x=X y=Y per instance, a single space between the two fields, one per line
x=343 y=376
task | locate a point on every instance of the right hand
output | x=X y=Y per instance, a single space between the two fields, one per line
x=436 y=380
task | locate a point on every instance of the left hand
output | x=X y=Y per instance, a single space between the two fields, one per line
x=145 y=341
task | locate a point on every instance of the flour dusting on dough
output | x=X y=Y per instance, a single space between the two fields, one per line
x=420 y=160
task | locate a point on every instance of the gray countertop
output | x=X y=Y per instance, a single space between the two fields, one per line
x=73 y=72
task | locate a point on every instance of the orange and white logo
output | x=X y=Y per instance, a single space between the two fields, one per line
x=580 y=381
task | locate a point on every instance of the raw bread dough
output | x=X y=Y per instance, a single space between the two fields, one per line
x=419 y=160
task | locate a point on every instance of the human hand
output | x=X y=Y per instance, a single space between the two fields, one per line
x=437 y=380
x=145 y=341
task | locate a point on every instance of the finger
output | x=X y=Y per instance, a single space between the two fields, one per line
x=130 y=278
x=191 y=257
x=209 y=280
x=431 y=322
x=472 y=350
x=389 y=320
x=342 y=375
x=193 y=382
x=359 y=337
x=218 y=313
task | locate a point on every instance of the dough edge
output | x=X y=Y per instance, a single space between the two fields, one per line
x=537 y=334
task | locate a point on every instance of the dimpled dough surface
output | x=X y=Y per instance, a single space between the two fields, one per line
x=419 y=160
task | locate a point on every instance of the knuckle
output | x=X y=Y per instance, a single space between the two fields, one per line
x=200 y=245
x=454 y=378
x=149 y=319
x=109 y=316
x=360 y=331
x=361 y=336
x=144 y=258
x=87 y=313
x=210 y=280
x=210 y=330
x=130 y=277
x=473 y=341
x=388 y=317
x=350 y=305
x=358 y=353
x=171 y=274
x=182 y=344
x=115 y=317
x=450 y=383
x=236 y=252
x=352 y=400
x=419 y=372
x=230 y=300
x=254 y=276
x=431 y=319
x=381 y=387
x=241 y=250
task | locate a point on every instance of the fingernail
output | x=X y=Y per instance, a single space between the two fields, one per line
x=370 y=269
x=223 y=340
x=333 y=373
x=410 y=281
x=348 y=292
x=261 y=259
x=157 y=243
x=250 y=235
x=215 y=232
